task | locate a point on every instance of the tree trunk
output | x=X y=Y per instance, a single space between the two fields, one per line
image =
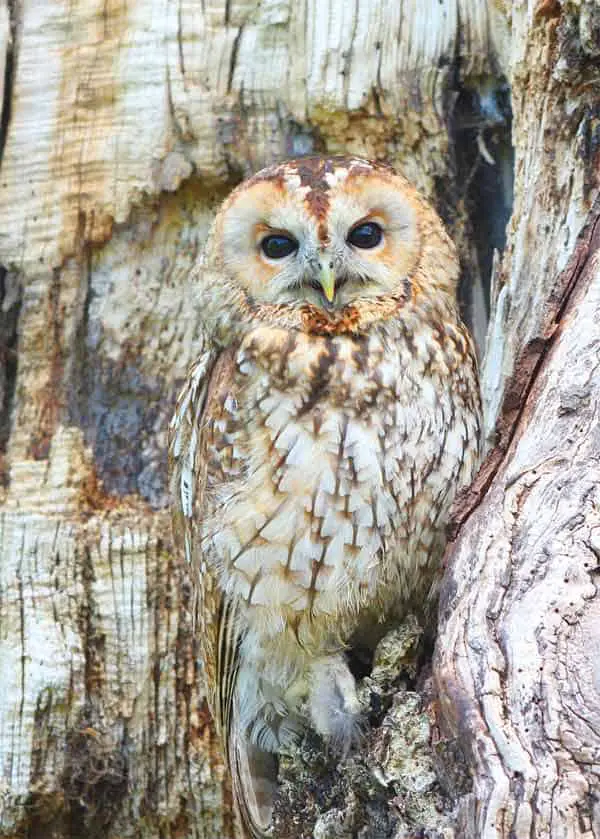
x=122 y=124
x=517 y=655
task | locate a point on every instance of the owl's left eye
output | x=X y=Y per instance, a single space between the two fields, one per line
x=365 y=235
x=278 y=246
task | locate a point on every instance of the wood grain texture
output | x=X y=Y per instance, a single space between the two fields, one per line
x=516 y=669
x=136 y=99
x=519 y=613
x=551 y=62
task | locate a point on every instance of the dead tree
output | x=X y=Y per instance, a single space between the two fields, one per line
x=122 y=124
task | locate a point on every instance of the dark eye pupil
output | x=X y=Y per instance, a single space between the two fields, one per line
x=278 y=246
x=366 y=235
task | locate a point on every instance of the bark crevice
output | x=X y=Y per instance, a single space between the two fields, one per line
x=527 y=369
x=9 y=70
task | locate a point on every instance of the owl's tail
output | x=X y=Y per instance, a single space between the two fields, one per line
x=254 y=779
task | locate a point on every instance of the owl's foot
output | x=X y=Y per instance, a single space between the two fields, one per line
x=272 y=731
x=333 y=703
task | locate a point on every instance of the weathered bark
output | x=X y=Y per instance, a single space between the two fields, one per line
x=517 y=665
x=516 y=662
x=552 y=61
x=122 y=124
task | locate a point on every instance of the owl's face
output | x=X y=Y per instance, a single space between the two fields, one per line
x=320 y=231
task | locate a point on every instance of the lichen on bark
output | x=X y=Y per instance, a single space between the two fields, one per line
x=392 y=785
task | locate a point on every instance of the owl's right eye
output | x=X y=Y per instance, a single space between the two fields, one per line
x=278 y=246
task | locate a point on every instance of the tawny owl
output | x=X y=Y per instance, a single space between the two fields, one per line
x=317 y=445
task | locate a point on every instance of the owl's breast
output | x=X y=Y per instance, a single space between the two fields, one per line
x=328 y=460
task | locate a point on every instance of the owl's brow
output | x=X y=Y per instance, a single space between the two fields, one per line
x=312 y=172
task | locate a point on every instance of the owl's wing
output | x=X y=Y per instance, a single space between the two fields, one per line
x=220 y=629
x=184 y=441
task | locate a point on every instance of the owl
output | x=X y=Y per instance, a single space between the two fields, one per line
x=316 y=447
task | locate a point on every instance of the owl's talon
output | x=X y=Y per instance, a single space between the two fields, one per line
x=334 y=706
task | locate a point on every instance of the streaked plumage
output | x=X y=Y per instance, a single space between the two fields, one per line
x=317 y=444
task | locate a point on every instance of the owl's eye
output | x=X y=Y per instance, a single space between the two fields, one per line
x=278 y=246
x=366 y=235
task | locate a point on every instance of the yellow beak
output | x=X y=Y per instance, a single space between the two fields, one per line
x=327 y=281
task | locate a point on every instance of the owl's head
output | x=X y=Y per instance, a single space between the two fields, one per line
x=328 y=234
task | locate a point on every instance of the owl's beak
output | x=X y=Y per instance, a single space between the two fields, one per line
x=327 y=281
